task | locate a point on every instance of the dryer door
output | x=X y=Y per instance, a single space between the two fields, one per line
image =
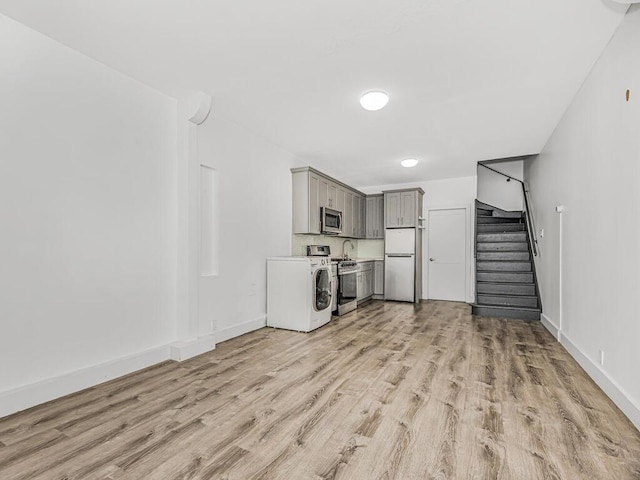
x=322 y=289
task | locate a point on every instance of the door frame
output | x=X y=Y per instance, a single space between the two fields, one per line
x=469 y=277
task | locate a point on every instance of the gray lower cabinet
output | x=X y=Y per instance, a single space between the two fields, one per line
x=378 y=277
x=334 y=293
x=364 y=288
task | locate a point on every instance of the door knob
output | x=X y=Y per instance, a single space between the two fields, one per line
x=431 y=259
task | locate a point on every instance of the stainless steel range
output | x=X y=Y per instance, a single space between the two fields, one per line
x=347 y=286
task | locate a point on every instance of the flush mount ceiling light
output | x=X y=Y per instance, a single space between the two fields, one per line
x=409 y=162
x=374 y=100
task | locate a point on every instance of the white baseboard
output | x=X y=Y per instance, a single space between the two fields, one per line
x=21 y=398
x=181 y=351
x=550 y=325
x=27 y=396
x=614 y=391
x=237 y=330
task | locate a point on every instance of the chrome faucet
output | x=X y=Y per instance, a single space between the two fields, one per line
x=344 y=255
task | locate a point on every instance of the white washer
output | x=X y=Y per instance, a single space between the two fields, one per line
x=298 y=292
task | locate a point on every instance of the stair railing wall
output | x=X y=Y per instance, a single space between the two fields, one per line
x=533 y=240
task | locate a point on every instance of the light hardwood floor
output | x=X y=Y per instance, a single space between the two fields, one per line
x=391 y=391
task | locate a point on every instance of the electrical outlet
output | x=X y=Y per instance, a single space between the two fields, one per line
x=601 y=357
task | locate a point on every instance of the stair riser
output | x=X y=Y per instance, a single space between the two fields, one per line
x=505 y=289
x=508 y=266
x=488 y=256
x=500 y=227
x=506 y=277
x=502 y=237
x=531 y=302
x=502 y=246
x=501 y=313
x=482 y=211
x=482 y=219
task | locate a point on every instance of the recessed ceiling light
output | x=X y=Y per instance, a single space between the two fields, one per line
x=409 y=162
x=374 y=100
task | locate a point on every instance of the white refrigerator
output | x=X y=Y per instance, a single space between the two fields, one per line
x=399 y=264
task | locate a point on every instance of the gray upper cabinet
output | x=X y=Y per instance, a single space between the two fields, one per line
x=402 y=207
x=306 y=202
x=313 y=190
x=355 y=226
x=392 y=209
x=329 y=193
x=347 y=214
x=362 y=232
x=374 y=217
x=340 y=194
x=408 y=201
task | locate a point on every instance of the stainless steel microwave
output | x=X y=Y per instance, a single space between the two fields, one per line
x=331 y=221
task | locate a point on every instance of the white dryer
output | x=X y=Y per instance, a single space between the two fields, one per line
x=298 y=292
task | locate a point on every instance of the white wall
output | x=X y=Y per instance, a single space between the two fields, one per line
x=254 y=179
x=495 y=190
x=87 y=202
x=591 y=165
x=450 y=192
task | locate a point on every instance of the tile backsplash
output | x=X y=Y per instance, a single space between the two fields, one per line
x=361 y=248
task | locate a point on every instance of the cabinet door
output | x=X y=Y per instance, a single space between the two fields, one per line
x=370 y=290
x=347 y=214
x=359 y=287
x=324 y=192
x=340 y=200
x=314 y=203
x=362 y=233
x=408 y=209
x=378 y=282
x=332 y=194
x=369 y=217
x=367 y=283
x=392 y=209
x=378 y=217
x=355 y=215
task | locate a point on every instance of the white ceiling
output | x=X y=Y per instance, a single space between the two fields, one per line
x=469 y=80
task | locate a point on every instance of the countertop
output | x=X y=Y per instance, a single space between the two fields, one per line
x=362 y=260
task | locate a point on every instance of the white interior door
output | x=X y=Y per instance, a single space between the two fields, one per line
x=447 y=258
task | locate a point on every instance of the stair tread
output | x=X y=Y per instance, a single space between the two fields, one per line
x=503 y=271
x=515 y=219
x=500 y=241
x=504 y=307
x=503 y=261
x=484 y=282
x=500 y=251
x=509 y=295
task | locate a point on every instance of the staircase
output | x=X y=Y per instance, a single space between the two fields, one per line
x=505 y=276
